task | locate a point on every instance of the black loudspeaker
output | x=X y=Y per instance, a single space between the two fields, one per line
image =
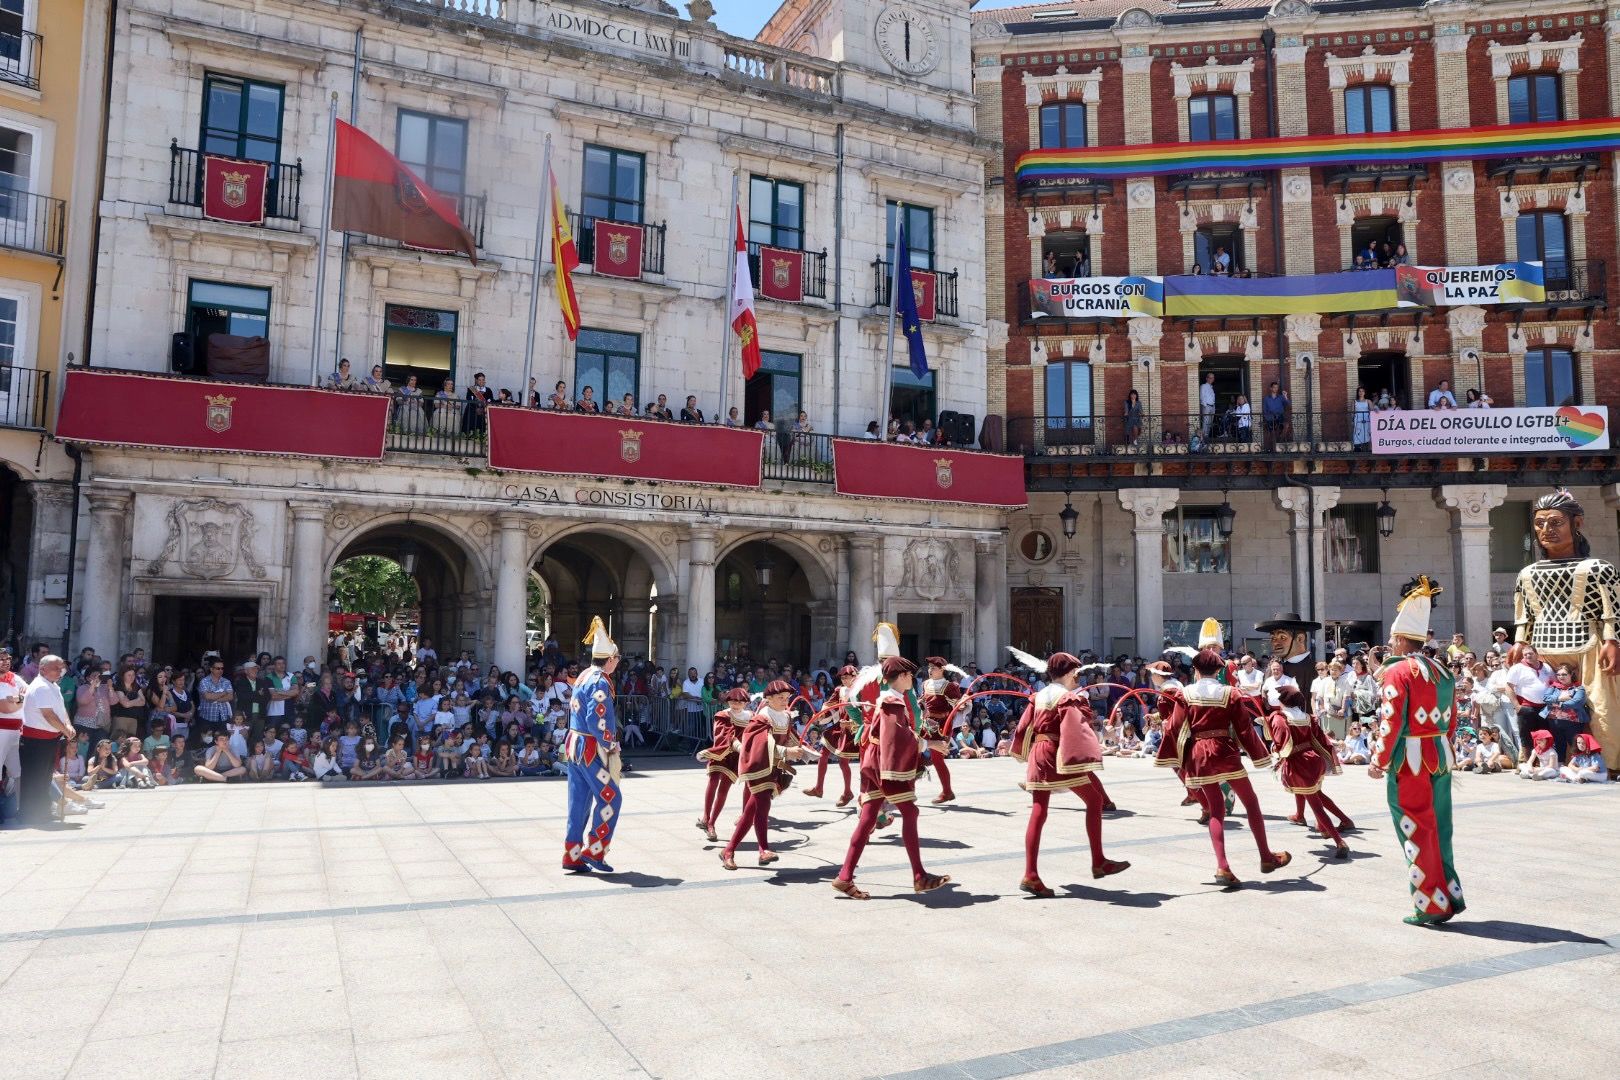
x=946 y=426
x=962 y=429
x=183 y=354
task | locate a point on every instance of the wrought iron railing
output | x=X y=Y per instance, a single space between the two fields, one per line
x=652 y=241
x=282 y=189
x=19 y=58
x=30 y=222
x=813 y=277
x=25 y=396
x=802 y=456
x=450 y=427
x=945 y=301
x=1576 y=283
x=1222 y=433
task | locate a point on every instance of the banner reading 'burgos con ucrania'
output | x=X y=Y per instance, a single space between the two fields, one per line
x=1097 y=297
x=1550 y=430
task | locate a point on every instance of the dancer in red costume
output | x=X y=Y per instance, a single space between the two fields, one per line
x=1206 y=735
x=1303 y=753
x=763 y=769
x=1056 y=739
x=890 y=761
x=722 y=757
x=939 y=698
x=838 y=739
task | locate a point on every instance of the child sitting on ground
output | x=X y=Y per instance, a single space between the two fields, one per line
x=1488 y=756
x=1129 y=744
x=347 y=745
x=424 y=762
x=397 y=762
x=1585 y=764
x=1155 y=736
x=294 y=761
x=1110 y=738
x=450 y=752
x=474 y=766
x=1543 y=761
x=1467 y=744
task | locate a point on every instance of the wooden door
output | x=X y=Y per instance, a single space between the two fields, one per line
x=1037 y=620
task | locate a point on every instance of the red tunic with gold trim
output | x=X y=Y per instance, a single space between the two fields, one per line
x=894 y=756
x=839 y=734
x=1056 y=740
x=939 y=698
x=761 y=756
x=722 y=755
x=1302 y=750
x=1207 y=733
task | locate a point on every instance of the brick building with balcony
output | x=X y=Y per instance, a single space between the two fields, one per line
x=692 y=542
x=1154 y=424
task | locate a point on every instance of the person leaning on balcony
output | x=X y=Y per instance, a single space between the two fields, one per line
x=1242 y=419
x=1222 y=262
x=343 y=378
x=663 y=408
x=480 y=396
x=872 y=431
x=375 y=383
x=1206 y=404
x=1478 y=399
x=1049 y=265
x=690 y=413
x=587 y=401
x=1274 y=411
x=1133 y=415
x=559 y=398
x=1441 y=396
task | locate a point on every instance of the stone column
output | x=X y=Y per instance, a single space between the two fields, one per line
x=1309 y=577
x=1147 y=506
x=1470 y=506
x=511 y=590
x=862 y=595
x=48 y=556
x=306 y=585
x=102 y=593
x=700 y=600
x=990 y=556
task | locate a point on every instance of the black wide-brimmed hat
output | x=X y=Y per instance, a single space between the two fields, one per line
x=1287 y=620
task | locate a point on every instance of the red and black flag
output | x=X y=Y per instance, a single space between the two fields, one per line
x=373 y=192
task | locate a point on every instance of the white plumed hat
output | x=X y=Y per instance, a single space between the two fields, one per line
x=1412 y=614
x=1210 y=635
x=597 y=638
x=887 y=639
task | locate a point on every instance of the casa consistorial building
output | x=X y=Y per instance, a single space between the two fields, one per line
x=220 y=490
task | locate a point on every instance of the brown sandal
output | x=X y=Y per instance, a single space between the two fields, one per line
x=1109 y=867
x=712 y=836
x=768 y=857
x=1296 y=820
x=1226 y=879
x=1035 y=888
x=702 y=824
x=1278 y=860
x=813 y=792
x=848 y=889
x=846 y=800
x=1342 y=851
x=727 y=861
x=944 y=797
x=930 y=882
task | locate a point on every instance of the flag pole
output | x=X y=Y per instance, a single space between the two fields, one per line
x=539 y=260
x=726 y=303
x=894 y=301
x=343 y=254
x=326 y=236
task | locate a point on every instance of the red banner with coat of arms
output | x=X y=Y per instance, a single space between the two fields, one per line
x=880 y=470
x=234 y=190
x=575 y=444
x=781 y=274
x=924 y=285
x=117 y=408
x=616 y=249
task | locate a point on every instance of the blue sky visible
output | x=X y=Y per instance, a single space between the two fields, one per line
x=745 y=17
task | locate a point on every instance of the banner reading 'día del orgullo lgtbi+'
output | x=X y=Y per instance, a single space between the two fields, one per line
x=1549 y=430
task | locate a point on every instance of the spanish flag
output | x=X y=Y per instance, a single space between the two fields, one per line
x=565 y=256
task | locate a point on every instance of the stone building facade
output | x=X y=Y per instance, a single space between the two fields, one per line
x=826 y=122
x=1122 y=73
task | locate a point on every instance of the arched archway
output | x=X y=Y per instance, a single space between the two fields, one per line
x=454 y=598
x=591 y=571
x=773 y=599
x=17 y=512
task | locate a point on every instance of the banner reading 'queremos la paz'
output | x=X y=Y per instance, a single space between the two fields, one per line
x=1097 y=297
x=1491 y=431
x=1448 y=286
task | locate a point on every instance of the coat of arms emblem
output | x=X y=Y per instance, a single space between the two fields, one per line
x=411 y=197
x=942 y=472
x=618 y=249
x=630 y=446
x=219 y=412
x=233 y=189
x=781 y=272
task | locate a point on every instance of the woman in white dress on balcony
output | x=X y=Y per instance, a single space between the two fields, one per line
x=1242 y=420
x=408 y=407
x=1361 y=420
x=801 y=437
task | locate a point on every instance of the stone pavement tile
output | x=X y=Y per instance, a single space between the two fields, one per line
x=327 y=1055
x=138 y=1057
x=461 y=1056
x=206 y=971
x=259 y=1016
x=195 y=1013
x=43 y=1055
x=209 y=940
x=79 y=970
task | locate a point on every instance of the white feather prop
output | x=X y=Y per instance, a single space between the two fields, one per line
x=1087 y=669
x=1034 y=663
x=864 y=678
x=952 y=669
x=1182 y=650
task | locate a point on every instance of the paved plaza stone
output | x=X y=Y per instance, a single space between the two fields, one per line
x=422 y=930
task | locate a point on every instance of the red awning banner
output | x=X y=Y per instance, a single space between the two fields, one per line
x=116 y=408
x=234 y=190
x=879 y=470
x=577 y=444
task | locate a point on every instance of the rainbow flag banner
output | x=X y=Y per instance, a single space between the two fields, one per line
x=1552 y=429
x=1039 y=168
x=1198 y=296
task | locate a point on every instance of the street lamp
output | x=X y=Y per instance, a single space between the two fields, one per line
x=1386 y=517
x=1224 y=517
x=762 y=572
x=407 y=556
x=1070 y=517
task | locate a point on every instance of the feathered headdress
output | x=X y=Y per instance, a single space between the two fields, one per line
x=1034 y=663
x=597 y=638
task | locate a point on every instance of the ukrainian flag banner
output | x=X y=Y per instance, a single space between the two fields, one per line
x=1215 y=296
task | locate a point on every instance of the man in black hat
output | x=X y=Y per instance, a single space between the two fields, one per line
x=1291 y=645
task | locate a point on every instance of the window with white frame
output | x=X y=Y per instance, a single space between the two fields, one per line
x=13 y=334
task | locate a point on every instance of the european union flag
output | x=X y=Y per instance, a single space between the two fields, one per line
x=905 y=305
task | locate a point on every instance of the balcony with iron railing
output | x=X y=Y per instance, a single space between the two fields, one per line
x=25 y=397
x=813 y=275
x=19 y=58
x=469 y=208
x=945 y=292
x=30 y=222
x=652 y=241
x=282 y=184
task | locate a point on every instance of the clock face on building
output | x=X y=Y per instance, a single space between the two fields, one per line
x=906 y=41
